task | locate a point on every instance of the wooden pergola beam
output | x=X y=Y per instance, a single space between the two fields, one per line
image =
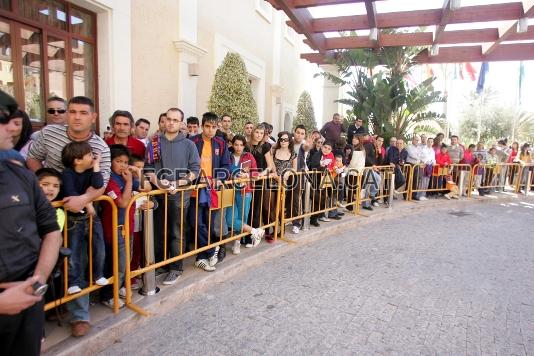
x=302 y=23
x=374 y=35
x=446 y=14
x=312 y=3
x=510 y=28
x=425 y=38
x=505 y=52
x=467 y=14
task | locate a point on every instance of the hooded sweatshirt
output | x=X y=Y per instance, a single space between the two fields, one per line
x=178 y=156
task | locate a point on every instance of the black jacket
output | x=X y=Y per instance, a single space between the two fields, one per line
x=353 y=131
x=27 y=216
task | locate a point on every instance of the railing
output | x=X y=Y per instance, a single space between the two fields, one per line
x=241 y=205
x=68 y=231
x=211 y=226
x=504 y=176
x=438 y=179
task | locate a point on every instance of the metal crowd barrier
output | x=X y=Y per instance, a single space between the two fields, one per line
x=112 y=280
x=308 y=194
x=263 y=213
x=438 y=179
x=384 y=186
x=504 y=176
x=526 y=180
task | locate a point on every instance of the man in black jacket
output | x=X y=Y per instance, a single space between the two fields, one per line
x=354 y=129
x=29 y=247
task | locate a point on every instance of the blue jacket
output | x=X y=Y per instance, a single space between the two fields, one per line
x=220 y=156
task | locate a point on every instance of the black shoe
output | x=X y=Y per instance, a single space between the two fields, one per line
x=340 y=214
x=367 y=207
x=315 y=223
x=335 y=217
x=221 y=254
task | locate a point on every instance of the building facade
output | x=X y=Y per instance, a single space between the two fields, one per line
x=147 y=56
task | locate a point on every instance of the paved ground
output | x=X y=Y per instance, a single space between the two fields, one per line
x=441 y=282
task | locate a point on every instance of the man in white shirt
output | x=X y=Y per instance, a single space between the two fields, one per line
x=415 y=155
x=428 y=158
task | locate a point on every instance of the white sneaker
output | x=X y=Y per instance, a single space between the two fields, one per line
x=295 y=230
x=109 y=303
x=102 y=281
x=375 y=204
x=214 y=259
x=423 y=198
x=236 y=249
x=249 y=245
x=324 y=219
x=205 y=265
x=74 y=290
x=447 y=196
x=122 y=293
x=257 y=235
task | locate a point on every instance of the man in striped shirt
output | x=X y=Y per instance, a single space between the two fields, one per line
x=46 y=151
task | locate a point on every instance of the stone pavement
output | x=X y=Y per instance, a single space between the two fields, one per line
x=449 y=280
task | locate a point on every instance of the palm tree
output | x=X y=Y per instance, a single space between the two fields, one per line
x=384 y=97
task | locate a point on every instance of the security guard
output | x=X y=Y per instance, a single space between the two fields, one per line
x=29 y=247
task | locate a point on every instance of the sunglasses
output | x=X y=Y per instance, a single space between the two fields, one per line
x=53 y=111
x=284 y=140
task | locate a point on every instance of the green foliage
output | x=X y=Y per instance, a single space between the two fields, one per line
x=485 y=115
x=231 y=93
x=383 y=98
x=305 y=114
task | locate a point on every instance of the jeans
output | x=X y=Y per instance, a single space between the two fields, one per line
x=199 y=218
x=78 y=229
x=371 y=186
x=79 y=307
x=107 y=292
x=236 y=215
x=175 y=237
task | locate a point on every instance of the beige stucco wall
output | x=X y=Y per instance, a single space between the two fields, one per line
x=145 y=48
x=155 y=70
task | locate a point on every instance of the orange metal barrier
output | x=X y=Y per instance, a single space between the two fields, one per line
x=505 y=176
x=525 y=171
x=439 y=179
x=308 y=194
x=384 y=185
x=264 y=208
x=112 y=280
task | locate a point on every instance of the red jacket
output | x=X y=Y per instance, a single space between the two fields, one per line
x=136 y=147
x=443 y=159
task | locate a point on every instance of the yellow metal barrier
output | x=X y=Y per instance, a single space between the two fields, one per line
x=495 y=176
x=525 y=171
x=65 y=298
x=263 y=213
x=439 y=179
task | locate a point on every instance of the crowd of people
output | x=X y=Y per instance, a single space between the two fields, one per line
x=76 y=166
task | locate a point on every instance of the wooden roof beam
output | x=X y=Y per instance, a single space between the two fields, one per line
x=505 y=52
x=425 y=38
x=312 y=3
x=446 y=13
x=466 y=14
x=509 y=28
x=302 y=22
x=374 y=34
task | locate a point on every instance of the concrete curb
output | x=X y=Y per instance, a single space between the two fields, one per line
x=112 y=328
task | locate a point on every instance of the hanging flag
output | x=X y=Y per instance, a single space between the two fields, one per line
x=471 y=71
x=521 y=78
x=484 y=68
x=429 y=71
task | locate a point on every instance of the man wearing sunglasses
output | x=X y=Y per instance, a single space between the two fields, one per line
x=56 y=111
